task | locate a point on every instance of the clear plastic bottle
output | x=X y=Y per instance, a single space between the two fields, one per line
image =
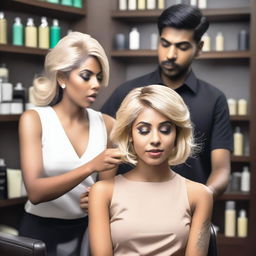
x=3 y=29
x=30 y=33
x=43 y=34
x=54 y=33
x=17 y=32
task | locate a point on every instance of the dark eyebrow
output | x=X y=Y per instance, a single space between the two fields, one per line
x=177 y=44
x=90 y=72
x=143 y=123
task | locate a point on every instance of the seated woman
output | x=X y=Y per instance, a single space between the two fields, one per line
x=151 y=210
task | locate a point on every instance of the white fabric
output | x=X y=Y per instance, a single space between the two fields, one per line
x=60 y=157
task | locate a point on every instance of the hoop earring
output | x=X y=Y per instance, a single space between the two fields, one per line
x=63 y=86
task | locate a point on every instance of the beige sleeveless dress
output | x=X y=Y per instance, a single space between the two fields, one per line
x=149 y=218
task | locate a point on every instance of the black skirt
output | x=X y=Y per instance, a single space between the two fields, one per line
x=62 y=237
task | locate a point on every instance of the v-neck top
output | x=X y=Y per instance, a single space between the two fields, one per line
x=150 y=218
x=59 y=157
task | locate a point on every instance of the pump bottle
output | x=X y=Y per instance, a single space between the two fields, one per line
x=30 y=33
x=3 y=29
x=17 y=32
x=43 y=34
x=54 y=33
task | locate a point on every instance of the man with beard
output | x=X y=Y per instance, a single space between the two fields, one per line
x=180 y=29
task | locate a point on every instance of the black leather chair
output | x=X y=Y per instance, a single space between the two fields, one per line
x=11 y=245
x=212 y=251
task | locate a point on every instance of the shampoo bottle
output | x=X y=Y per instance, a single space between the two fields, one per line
x=219 y=42
x=242 y=107
x=3 y=179
x=230 y=219
x=4 y=73
x=245 y=179
x=131 y=5
x=3 y=29
x=30 y=33
x=54 y=33
x=232 y=106
x=78 y=3
x=141 y=4
x=238 y=142
x=202 y=4
x=43 y=34
x=193 y=2
x=207 y=43
x=17 y=32
x=151 y=4
x=160 y=4
x=66 y=2
x=134 y=39
x=122 y=5
x=242 y=224
x=53 y=1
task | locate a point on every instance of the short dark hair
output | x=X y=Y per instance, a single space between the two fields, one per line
x=183 y=16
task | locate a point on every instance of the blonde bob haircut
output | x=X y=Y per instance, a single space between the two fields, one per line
x=165 y=101
x=69 y=54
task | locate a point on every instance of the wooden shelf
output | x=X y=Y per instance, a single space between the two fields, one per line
x=205 y=55
x=49 y=9
x=22 y=50
x=221 y=239
x=13 y=201
x=245 y=118
x=240 y=159
x=9 y=118
x=235 y=196
x=227 y=14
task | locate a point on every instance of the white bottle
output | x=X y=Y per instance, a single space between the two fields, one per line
x=207 y=43
x=151 y=4
x=30 y=33
x=238 y=142
x=141 y=4
x=131 y=5
x=232 y=106
x=219 y=42
x=122 y=5
x=193 y=2
x=230 y=219
x=245 y=179
x=134 y=39
x=242 y=107
x=242 y=224
x=4 y=73
x=202 y=4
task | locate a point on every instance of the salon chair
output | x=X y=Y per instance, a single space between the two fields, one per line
x=11 y=245
x=212 y=251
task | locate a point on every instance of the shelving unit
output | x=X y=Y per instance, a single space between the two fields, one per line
x=11 y=209
x=127 y=19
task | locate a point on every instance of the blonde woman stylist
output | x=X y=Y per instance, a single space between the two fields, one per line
x=63 y=142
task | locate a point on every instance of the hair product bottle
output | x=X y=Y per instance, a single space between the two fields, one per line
x=141 y=4
x=53 y=1
x=219 y=42
x=242 y=224
x=232 y=106
x=122 y=5
x=243 y=40
x=151 y=4
x=202 y=4
x=245 y=179
x=134 y=39
x=30 y=33
x=193 y=2
x=17 y=32
x=3 y=29
x=153 y=41
x=238 y=142
x=3 y=179
x=160 y=4
x=207 y=43
x=4 y=73
x=43 y=34
x=54 y=33
x=230 y=219
x=242 y=107
x=66 y=2
x=19 y=93
x=131 y=5
x=78 y=3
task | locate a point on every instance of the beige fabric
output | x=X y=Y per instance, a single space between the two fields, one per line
x=149 y=218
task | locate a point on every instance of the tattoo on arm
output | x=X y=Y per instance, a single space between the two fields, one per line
x=204 y=235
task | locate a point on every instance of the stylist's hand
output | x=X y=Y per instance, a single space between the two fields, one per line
x=107 y=160
x=84 y=198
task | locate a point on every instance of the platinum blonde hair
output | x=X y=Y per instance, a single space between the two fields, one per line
x=165 y=101
x=70 y=52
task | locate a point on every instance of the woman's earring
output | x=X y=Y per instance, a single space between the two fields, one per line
x=63 y=86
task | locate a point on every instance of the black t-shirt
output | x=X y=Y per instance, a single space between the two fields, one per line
x=209 y=115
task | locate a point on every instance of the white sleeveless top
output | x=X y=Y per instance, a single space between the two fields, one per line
x=60 y=157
